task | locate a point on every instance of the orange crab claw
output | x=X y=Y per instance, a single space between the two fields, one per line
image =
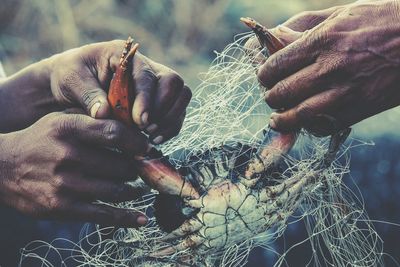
x=157 y=172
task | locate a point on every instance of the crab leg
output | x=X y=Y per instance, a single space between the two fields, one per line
x=256 y=210
x=157 y=172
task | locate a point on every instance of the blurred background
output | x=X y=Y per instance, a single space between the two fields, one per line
x=184 y=34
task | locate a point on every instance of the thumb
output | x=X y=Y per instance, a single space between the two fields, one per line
x=96 y=103
x=92 y=98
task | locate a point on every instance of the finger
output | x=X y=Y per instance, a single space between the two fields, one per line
x=175 y=114
x=313 y=113
x=87 y=91
x=309 y=19
x=90 y=188
x=106 y=133
x=169 y=90
x=106 y=215
x=102 y=163
x=296 y=88
x=145 y=86
x=289 y=60
x=168 y=132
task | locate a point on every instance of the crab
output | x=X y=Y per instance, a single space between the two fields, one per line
x=227 y=194
x=237 y=202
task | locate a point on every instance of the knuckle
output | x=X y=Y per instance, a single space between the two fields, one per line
x=50 y=204
x=66 y=154
x=174 y=81
x=89 y=97
x=53 y=205
x=113 y=132
x=304 y=112
x=58 y=184
x=280 y=93
x=331 y=67
x=276 y=62
x=65 y=81
x=146 y=75
x=319 y=38
x=269 y=72
x=66 y=125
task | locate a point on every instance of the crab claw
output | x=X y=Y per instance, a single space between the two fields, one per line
x=271 y=152
x=265 y=37
x=153 y=168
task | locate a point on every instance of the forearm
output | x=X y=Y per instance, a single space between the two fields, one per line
x=25 y=97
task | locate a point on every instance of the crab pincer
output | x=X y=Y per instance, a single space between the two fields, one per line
x=273 y=148
x=153 y=168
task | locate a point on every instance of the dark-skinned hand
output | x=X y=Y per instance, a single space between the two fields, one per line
x=60 y=165
x=340 y=66
x=80 y=77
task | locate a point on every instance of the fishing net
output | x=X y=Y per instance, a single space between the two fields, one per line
x=228 y=109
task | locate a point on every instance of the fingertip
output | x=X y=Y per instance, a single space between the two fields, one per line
x=104 y=111
x=158 y=140
x=284 y=122
x=262 y=78
x=140 y=114
x=100 y=109
x=142 y=220
x=272 y=124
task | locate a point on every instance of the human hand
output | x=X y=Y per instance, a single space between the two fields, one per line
x=59 y=166
x=82 y=77
x=339 y=72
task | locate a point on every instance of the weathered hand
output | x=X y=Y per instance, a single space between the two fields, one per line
x=58 y=166
x=292 y=29
x=81 y=77
x=339 y=72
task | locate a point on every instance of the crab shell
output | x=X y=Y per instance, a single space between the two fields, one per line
x=219 y=170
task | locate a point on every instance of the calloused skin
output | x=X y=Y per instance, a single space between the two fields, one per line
x=340 y=66
x=55 y=164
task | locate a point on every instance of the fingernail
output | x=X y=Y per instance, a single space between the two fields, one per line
x=151 y=128
x=272 y=122
x=142 y=220
x=145 y=118
x=158 y=140
x=94 y=109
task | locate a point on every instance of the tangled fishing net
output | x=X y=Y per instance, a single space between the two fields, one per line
x=228 y=109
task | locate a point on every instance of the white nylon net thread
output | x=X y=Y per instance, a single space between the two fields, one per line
x=228 y=107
